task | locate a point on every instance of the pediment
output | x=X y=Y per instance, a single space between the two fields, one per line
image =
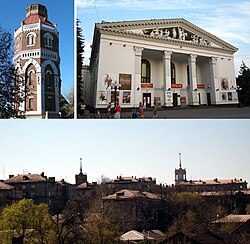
x=174 y=30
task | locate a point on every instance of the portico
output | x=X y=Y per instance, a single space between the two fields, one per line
x=168 y=62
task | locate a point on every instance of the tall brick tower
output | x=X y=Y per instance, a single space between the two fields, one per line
x=36 y=57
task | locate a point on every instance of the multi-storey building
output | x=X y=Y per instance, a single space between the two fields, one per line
x=36 y=57
x=171 y=62
x=131 y=209
x=182 y=184
x=41 y=189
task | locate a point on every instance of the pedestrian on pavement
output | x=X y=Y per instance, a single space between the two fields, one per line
x=109 y=110
x=117 y=111
x=82 y=110
x=141 y=111
x=155 y=111
x=134 y=114
x=98 y=114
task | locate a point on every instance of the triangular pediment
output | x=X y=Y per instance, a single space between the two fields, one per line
x=172 y=30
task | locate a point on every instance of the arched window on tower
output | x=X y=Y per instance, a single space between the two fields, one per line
x=30 y=78
x=145 y=71
x=48 y=39
x=173 y=75
x=31 y=39
x=49 y=81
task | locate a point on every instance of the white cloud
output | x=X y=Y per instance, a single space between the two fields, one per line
x=142 y=4
x=87 y=53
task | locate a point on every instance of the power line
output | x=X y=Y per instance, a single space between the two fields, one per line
x=96 y=11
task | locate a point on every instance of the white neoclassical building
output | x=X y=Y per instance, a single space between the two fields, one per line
x=171 y=62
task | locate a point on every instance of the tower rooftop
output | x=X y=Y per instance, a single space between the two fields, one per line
x=36 y=13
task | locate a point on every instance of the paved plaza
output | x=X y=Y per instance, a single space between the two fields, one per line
x=203 y=113
x=208 y=112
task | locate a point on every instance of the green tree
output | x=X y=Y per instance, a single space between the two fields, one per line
x=67 y=105
x=191 y=214
x=80 y=51
x=98 y=229
x=18 y=217
x=243 y=83
x=42 y=222
x=11 y=84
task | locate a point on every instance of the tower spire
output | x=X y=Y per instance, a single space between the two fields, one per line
x=180 y=159
x=80 y=165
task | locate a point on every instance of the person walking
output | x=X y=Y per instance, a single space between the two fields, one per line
x=141 y=111
x=155 y=111
x=134 y=114
x=117 y=111
x=109 y=110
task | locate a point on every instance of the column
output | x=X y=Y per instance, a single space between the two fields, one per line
x=214 y=76
x=168 y=93
x=193 y=94
x=137 y=78
x=39 y=93
x=57 y=93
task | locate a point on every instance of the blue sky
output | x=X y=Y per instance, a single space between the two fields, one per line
x=12 y=12
x=210 y=148
x=227 y=19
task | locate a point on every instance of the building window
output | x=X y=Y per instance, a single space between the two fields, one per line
x=188 y=78
x=48 y=40
x=33 y=187
x=145 y=71
x=23 y=187
x=31 y=39
x=30 y=78
x=173 y=80
x=49 y=81
x=30 y=103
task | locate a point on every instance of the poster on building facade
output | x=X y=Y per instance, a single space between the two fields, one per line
x=102 y=95
x=126 y=97
x=224 y=83
x=125 y=81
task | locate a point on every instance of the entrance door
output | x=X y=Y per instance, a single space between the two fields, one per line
x=208 y=99
x=175 y=99
x=147 y=99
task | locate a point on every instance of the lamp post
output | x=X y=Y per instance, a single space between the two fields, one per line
x=115 y=86
x=238 y=90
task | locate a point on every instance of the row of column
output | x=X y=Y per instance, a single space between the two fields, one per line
x=168 y=93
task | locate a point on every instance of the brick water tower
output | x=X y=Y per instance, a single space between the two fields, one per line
x=36 y=58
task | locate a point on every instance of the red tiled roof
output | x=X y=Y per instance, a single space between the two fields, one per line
x=25 y=178
x=129 y=194
x=233 y=218
x=4 y=186
x=35 y=18
x=212 y=182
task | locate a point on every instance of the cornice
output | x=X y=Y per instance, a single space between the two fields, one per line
x=158 y=39
x=126 y=28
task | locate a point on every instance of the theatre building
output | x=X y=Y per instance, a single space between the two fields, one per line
x=171 y=62
x=36 y=58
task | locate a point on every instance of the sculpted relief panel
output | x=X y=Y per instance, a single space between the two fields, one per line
x=177 y=33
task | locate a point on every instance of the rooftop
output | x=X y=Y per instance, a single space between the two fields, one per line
x=212 y=182
x=4 y=186
x=130 y=194
x=24 y=178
